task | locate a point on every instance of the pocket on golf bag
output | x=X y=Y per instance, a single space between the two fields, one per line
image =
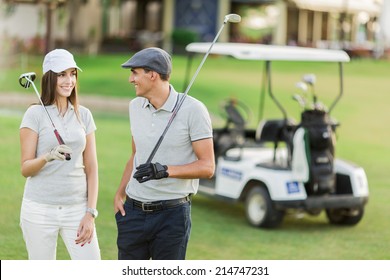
x=320 y=133
x=322 y=178
x=320 y=137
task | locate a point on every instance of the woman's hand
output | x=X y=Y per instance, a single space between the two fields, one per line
x=86 y=230
x=58 y=153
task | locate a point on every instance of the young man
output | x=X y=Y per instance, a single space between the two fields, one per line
x=155 y=220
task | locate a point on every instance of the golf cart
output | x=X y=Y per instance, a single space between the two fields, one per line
x=284 y=166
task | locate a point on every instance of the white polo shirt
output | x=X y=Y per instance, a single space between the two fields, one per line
x=59 y=182
x=191 y=123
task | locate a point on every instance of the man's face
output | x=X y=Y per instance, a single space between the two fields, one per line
x=141 y=81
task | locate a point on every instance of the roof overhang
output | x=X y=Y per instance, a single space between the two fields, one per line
x=270 y=52
x=372 y=7
x=35 y=1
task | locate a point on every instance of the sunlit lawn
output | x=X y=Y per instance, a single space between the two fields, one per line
x=219 y=229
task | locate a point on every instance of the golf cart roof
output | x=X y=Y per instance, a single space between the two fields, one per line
x=270 y=52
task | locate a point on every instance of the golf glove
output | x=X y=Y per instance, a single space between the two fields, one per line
x=58 y=153
x=150 y=171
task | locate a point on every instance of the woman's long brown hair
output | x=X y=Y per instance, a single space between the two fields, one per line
x=48 y=91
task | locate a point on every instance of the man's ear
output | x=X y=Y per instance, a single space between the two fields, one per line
x=155 y=76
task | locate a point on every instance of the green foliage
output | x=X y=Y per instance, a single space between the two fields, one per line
x=184 y=36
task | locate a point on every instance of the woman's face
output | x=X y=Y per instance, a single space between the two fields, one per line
x=66 y=81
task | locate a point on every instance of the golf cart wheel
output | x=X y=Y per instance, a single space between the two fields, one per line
x=259 y=209
x=345 y=216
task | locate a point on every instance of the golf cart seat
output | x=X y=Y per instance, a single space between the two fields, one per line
x=276 y=131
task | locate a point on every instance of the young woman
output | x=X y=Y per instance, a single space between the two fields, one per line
x=60 y=195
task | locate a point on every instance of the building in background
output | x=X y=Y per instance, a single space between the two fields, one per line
x=41 y=25
x=352 y=25
x=359 y=26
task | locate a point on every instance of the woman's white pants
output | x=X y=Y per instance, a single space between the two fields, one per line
x=42 y=223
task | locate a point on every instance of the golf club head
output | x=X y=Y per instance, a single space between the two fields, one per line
x=309 y=79
x=299 y=99
x=232 y=18
x=302 y=86
x=26 y=79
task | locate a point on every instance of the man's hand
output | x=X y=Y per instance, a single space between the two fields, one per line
x=150 y=171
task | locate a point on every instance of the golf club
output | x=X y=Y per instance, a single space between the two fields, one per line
x=303 y=96
x=300 y=100
x=310 y=79
x=26 y=80
x=234 y=18
x=302 y=86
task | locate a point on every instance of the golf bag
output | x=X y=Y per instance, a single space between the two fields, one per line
x=319 y=140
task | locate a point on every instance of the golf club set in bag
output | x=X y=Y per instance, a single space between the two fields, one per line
x=320 y=130
x=27 y=79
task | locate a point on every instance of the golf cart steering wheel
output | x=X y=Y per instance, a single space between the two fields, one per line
x=235 y=112
x=232 y=135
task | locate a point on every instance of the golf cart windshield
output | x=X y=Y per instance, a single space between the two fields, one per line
x=269 y=53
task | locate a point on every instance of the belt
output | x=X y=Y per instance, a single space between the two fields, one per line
x=157 y=205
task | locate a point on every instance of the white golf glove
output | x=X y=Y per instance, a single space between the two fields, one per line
x=58 y=153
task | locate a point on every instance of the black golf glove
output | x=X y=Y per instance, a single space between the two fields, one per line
x=150 y=171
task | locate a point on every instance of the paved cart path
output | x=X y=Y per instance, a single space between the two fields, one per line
x=17 y=103
x=20 y=101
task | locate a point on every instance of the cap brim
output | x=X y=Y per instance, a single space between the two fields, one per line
x=63 y=68
x=128 y=64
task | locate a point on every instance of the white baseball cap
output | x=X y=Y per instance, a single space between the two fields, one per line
x=58 y=60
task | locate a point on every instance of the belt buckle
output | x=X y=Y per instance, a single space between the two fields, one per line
x=143 y=207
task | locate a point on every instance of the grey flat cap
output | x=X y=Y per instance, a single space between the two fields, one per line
x=155 y=59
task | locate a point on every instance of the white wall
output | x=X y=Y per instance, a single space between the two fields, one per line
x=27 y=21
x=24 y=22
x=385 y=24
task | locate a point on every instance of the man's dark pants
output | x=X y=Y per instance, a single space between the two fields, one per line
x=157 y=235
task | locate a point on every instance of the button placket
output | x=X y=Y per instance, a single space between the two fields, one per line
x=64 y=126
x=153 y=119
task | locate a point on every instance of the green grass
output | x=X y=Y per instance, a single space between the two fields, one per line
x=220 y=230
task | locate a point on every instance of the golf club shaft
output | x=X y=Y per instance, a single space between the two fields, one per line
x=178 y=106
x=58 y=136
